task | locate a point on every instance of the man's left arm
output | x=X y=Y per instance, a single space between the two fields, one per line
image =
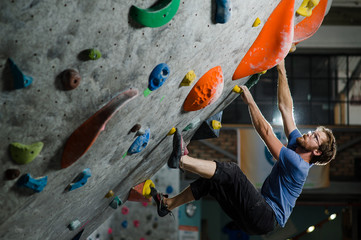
x=261 y=125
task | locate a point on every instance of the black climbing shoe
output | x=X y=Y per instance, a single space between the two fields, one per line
x=179 y=149
x=162 y=208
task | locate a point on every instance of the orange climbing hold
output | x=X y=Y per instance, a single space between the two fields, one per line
x=141 y=192
x=308 y=26
x=206 y=91
x=272 y=44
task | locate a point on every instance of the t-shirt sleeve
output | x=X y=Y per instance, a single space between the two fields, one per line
x=289 y=159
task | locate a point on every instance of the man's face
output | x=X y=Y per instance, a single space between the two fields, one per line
x=312 y=140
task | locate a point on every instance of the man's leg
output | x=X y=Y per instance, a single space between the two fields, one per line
x=203 y=168
x=184 y=197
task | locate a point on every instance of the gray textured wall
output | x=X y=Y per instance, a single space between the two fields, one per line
x=44 y=38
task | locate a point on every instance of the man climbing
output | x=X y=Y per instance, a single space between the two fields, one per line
x=256 y=212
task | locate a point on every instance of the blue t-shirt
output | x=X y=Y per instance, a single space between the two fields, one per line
x=284 y=184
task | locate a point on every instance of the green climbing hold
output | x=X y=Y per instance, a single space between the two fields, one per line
x=157 y=15
x=94 y=54
x=253 y=80
x=23 y=154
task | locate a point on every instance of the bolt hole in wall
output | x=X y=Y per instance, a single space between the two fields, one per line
x=326 y=89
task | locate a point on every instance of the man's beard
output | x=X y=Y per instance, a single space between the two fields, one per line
x=302 y=144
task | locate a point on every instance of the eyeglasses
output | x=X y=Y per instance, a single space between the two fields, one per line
x=315 y=137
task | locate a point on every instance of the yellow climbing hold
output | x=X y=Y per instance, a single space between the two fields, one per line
x=216 y=124
x=293 y=48
x=236 y=89
x=188 y=78
x=306 y=7
x=109 y=194
x=263 y=72
x=256 y=22
x=171 y=132
x=146 y=188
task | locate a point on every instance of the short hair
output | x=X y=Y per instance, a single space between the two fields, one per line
x=328 y=148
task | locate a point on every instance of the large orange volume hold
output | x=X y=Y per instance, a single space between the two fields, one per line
x=308 y=26
x=206 y=91
x=272 y=44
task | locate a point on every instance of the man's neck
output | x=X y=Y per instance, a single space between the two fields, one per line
x=306 y=156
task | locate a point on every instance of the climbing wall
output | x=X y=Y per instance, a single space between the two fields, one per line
x=75 y=81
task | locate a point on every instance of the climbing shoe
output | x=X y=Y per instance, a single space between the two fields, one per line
x=179 y=150
x=162 y=208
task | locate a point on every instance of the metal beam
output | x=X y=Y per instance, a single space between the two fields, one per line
x=219 y=150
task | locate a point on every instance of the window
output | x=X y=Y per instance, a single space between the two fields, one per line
x=326 y=90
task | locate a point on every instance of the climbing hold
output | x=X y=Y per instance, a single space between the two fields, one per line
x=20 y=80
x=125 y=224
x=158 y=76
x=70 y=79
x=12 y=174
x=169 y=190
x=135 y=128
x=188 y=78
x=125 y=210
x=36 y=184
x=216 y=124
x=206 y=91
x=157 y=15
x=256 y=22
x=306 y=7
x=171 y=132
x=94 y=54
x=192 y=125
x=136 y=223
x=223 y=11
x=145 y=204
x=206 y=130
x=237 y=89
x=293 y=48
x=74 y=225
x=109 y=194
x=80 y=180
x=140 y=143
x=155 y=225
x=116 y=202
x=23 y=154
x=272 y=44
x=84 y=136
x=308 y=26
x=110 y=230
x=141 y=192
x=253 y=80
x=78 y=235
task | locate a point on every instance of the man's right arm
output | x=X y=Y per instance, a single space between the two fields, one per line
x=285 y=102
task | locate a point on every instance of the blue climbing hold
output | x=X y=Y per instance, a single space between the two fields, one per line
x=158 y=76
x=20 y=80
x=223 y=11
x=36 y=184
x=140 y=143
x=81 y=179
x=169 y=189
x=125 y=224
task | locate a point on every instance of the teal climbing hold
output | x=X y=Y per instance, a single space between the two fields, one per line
x=94 y=54
x=20 y=79
x=23 y=154
x=253 y=80
x=157 y=15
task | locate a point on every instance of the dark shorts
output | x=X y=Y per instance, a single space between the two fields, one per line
x=238 y=198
